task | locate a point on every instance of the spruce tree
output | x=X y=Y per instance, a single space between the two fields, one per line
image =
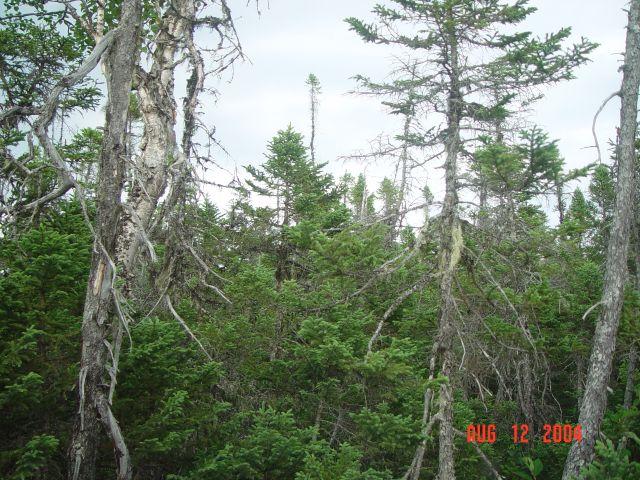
x=594 y=400
x=445 y=36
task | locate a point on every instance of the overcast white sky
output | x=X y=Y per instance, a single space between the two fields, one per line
x=292 y=38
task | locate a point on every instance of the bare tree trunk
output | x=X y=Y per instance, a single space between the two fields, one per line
x=93 y=385
x=314 y=91
x=448 y=260
x=395 y=221
x=629 y=387
x=632 y=364
x=580 y=374
x=336 y=427
x=631 y=371
x=450 y=248
x=314 y=107
x=413 y=472
x=560 y=201
x=483 y=209
x=158 y=145
x=595 y=395
x=318 y=420
x=525 y=387
x=158 y=151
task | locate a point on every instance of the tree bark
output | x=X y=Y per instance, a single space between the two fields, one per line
x=632 y=364
x=595 y=394
x=631 y=371
x=629 y=388
x=158 y=149
x=93 y=386
x=450 y=247
x=395 y=221
x=428 y=420
x=313 y=92
x=524 y=375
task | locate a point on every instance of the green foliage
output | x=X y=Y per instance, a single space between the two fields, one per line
x=612 y=463
x=303 y=190
x=294 y=392
x=35 y=53
x=34 y=457
x=41 y=296
x=531 y=167
x=324 y=463
x=322 y=355
x=430 y=29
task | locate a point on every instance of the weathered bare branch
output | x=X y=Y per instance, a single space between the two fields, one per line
x=186 y=328
x=494 y=473
x=393 y=307
x=595 y=119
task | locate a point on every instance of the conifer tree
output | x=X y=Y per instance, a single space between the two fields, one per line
x=302 y=192
x=445 y=34
x=594 y=400
x=297 y=183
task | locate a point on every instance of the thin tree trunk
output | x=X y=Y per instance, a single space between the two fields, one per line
x=633 y=350
x=525 y=387
x=317 y=421
x=631 y=371
x=595 y=395
x=629 y=387
x=314 y=107
x=336 y=427
x=93 y=386
x=450 y=247
x=413 y=473
x=483 y=209
x=396 y=219
x=560 y=202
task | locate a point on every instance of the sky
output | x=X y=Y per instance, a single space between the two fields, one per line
x=289 y=39
x=285 y=40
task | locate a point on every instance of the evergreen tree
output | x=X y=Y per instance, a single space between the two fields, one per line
x=445 y=33
x=300 y=189
x=309 y=305
x=594 y=402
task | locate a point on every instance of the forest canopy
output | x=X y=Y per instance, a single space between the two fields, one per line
x=316 y=326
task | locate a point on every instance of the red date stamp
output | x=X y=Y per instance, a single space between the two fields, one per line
x=521 y=433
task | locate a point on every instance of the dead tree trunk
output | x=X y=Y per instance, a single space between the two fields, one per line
x=450 y=248
x=395 y=220
x=314 y=91
x=595 y=394
x=629 y=388
x=524 y=376
x=632 y=364
x=158 y=149
x=428 y=420
x=93 y=386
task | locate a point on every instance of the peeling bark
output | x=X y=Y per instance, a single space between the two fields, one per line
x=158 y=147
x=93 y=386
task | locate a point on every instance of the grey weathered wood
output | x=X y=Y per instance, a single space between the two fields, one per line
x=450 y=247
x=595 y=393
x=94 y=412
